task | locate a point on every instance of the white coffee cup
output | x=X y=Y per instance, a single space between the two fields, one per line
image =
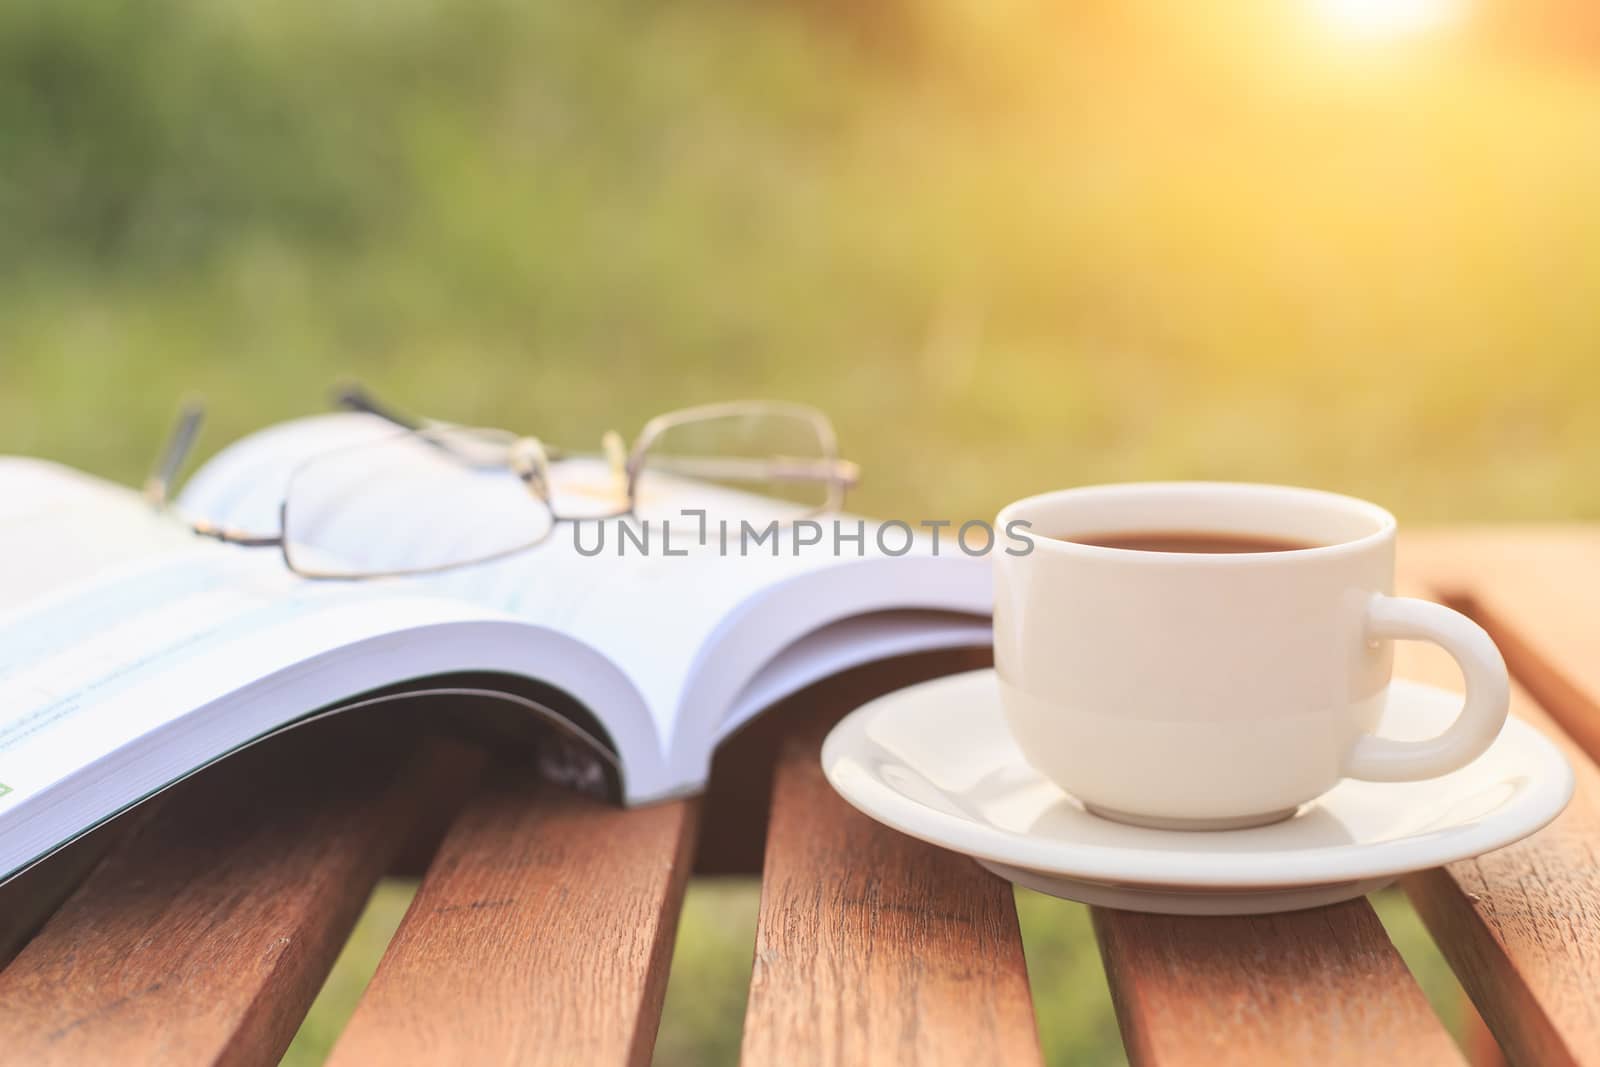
x=1214 y=691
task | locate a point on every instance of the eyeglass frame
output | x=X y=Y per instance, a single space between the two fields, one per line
x=527 y=457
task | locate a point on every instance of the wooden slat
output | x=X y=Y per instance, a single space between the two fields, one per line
x=1483 y=1050
x=30 y=898
x=542 y=933
x=1520 y=926
x=872 y=947
x=1536 y=589
x=738 y=798
x=204 y=936
x=1323 y=986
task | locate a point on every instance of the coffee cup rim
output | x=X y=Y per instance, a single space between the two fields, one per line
x=1383 y=521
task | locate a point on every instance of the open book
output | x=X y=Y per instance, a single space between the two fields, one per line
x=133 y=653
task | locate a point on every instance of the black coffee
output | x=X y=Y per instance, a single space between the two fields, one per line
x=1202 y=541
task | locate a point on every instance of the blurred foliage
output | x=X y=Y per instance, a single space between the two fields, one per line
x=351 y=972
x=1070 y=998
x=702 y=1020
x=1009 y=244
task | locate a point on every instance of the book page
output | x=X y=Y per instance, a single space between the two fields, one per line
x=115 y=620
x=848 y=643
x=44 y=549
x=650 y=612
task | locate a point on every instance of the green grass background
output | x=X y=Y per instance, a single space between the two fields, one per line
x=1008 y=244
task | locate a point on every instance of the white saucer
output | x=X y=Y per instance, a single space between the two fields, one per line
x=936 y=761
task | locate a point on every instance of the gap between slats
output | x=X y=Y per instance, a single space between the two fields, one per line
x=541 y=932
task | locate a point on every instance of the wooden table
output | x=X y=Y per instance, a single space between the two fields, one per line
x=199 y=928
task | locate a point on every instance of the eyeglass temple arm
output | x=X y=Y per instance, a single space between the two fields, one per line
x=231 y=536
x=352 y=396
x=168 y=462
x=159 y=484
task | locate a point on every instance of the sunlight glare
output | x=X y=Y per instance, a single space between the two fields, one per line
x=1387 y=18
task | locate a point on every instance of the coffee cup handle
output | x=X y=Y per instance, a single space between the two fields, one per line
x=1380 y=759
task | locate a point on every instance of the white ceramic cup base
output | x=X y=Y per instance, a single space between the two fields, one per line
x=1235 y=822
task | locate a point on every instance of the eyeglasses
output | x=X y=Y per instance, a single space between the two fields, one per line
x=372 y=509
